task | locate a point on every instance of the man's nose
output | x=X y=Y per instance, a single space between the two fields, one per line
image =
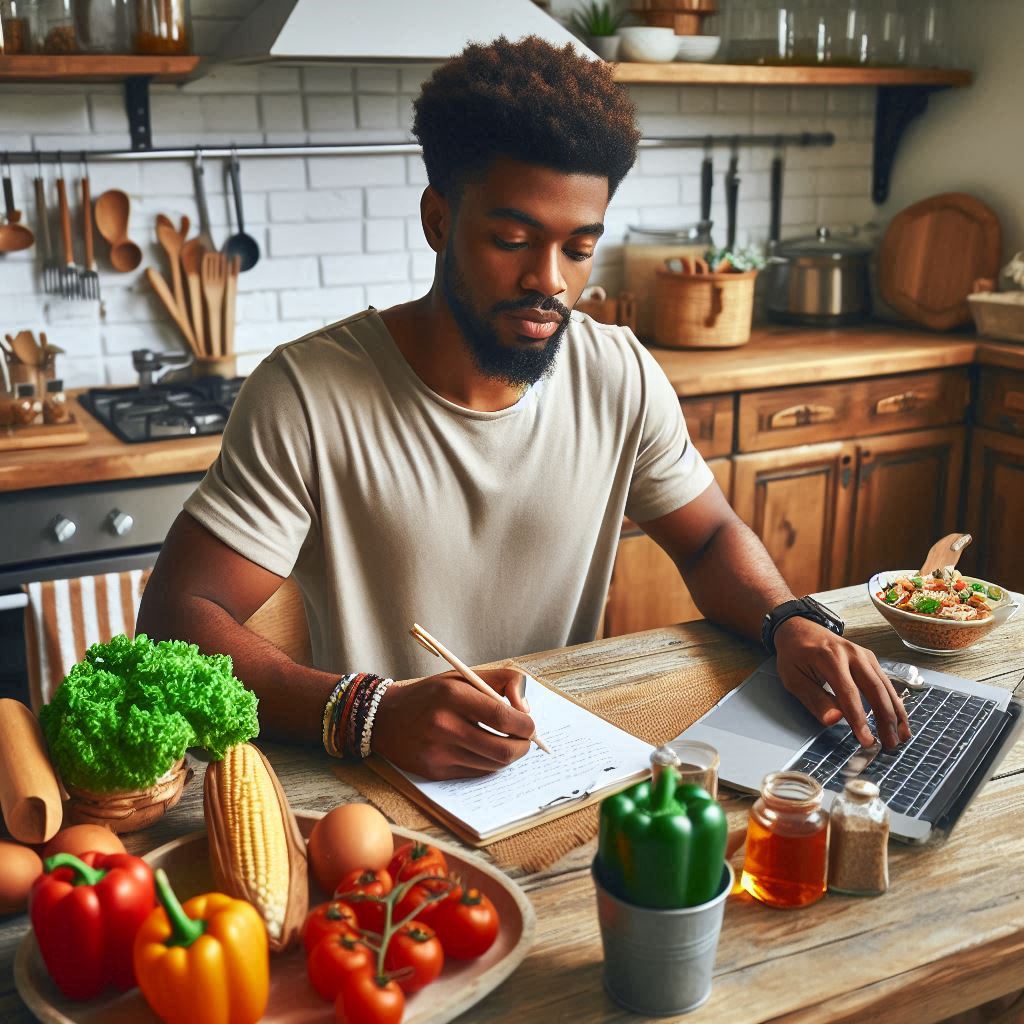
x=544 y=274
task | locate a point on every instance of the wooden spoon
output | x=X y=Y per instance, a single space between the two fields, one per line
x=945 y=552
x=191 y=261
x=171 y=241
x=230 y=302
x=159 y=285
x=113 y=209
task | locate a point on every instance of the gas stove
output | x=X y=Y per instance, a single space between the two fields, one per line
x=164 y=411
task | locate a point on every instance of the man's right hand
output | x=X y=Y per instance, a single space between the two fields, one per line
x=429 y=726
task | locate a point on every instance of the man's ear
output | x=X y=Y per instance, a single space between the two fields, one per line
x=436 y=218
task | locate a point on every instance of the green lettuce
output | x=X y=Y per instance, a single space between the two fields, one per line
x=126 y=713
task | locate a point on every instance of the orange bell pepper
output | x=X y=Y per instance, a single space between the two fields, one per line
x=207 y=962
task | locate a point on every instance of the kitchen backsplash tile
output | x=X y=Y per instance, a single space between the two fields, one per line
x=337 y=233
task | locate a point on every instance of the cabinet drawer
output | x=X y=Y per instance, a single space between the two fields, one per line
x=857 y=408
x=1000 y=403
x=709 y=422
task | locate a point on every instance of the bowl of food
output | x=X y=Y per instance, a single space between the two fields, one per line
x=942 y=612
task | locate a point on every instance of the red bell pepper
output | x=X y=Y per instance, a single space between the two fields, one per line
x=85 y=913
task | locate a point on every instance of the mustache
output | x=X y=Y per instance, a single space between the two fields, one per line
x=541 y=303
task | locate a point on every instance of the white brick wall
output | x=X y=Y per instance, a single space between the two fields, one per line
x=338 y=233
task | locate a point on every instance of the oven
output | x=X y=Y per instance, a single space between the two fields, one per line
x=64 y=532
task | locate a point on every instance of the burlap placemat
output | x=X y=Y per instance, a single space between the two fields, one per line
x=654 y=710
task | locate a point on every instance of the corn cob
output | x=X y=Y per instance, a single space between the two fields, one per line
x=256 y=850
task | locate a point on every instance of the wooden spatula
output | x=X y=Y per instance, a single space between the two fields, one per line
x=214 y=273
x=230 y=301
x=191 y=262
x=945 y=552
x=159 y=285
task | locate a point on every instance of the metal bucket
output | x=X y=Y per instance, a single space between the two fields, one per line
x=659 y=962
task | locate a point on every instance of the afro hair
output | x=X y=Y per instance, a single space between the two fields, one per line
x=528 y=101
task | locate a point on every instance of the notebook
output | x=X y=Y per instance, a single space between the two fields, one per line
x=590 y=759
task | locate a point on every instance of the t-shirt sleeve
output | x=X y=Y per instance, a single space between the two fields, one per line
x=669 y=472
x=258 y=497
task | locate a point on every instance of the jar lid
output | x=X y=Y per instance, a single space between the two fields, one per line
x=861 y=789
x=823 y=244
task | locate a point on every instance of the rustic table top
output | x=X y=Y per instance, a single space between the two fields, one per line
x=947 y=936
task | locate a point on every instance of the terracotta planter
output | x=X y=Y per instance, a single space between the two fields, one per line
x=129 y=810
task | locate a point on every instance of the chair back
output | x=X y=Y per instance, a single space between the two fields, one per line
x=282 y=621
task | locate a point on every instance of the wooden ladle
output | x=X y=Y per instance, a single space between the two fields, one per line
x=113 y=209
x=13 y=236
x=945 y=552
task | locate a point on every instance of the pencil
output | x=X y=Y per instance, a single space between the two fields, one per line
x=435 y=647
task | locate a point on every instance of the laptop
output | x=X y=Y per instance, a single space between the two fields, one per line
x=961 y=732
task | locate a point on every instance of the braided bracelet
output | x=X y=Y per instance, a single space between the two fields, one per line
x=336 y=695
x=378 y=694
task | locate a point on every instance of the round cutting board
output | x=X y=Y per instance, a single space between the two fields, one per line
x=932 y=254
x=292 y=998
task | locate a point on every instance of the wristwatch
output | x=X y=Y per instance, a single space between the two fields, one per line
x=805 y=608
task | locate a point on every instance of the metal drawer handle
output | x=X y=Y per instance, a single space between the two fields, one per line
x=801 y=416
x=1014 y=400
x=906 y=402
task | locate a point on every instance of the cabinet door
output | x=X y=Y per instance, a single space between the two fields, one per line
x=646 y=590
x=799 y=502
x=908 y=496
x=995 y=508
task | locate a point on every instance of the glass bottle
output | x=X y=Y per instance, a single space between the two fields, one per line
x=851 y=33
x=787 y=842
x=59 y=34
x=858 y=857
x=162 y=26
x=104 y=25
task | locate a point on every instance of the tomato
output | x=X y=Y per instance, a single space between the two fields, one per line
x=369 y=913
x=334 y=918
x=424 y=897
x=466 y=923
x=415 y=945
x=959 y=585
x=334 y=957
x=412 y=859
x=366 y=999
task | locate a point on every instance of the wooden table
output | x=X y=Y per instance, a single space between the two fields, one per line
x=948 y=935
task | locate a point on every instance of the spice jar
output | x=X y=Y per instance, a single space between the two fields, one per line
x=58 y=27
x=162 y=26
x=55 y=404
x=858 y=859
x=28 y=409
x=18 y=21
x=103 y=25
x=787 y=842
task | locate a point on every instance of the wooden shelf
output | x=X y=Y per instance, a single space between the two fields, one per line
x=76 y=67
x=679 y=73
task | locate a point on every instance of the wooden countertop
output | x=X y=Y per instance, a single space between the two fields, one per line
x=774 y=357
x=947 y=936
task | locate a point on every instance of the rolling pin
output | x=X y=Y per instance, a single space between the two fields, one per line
x=29 y=792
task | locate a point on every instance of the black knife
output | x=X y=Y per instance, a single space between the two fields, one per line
x=775 y=227
x=707 y=181
x=732 y=190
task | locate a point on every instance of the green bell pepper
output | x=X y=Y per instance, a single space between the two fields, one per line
x=662 y=844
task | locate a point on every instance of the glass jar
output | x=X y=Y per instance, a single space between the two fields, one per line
x=850 y=33
x=888 y=30
x=59 y=34
x=787 y=842
x=104 y=26
x=929 y=35
x=646 y=250
x=19 y=25
x=162 y=26
x=858 y=858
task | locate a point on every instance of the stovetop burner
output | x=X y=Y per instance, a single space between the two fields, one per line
x=164 y=411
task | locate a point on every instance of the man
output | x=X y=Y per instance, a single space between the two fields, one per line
x=464 y=460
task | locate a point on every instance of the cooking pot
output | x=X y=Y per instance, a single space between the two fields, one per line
x=821 y=280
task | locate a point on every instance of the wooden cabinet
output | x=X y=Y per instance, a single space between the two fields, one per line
x=646 y=590
x=995 y=508
x=798 y=501
x=907 y=495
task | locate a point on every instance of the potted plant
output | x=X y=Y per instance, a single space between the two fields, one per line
x=597 y=24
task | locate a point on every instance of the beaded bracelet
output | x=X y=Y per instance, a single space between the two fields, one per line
x=337 y=695
x=378 y=694
x=361 y=712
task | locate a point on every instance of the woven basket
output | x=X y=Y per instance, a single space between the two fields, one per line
x=129 y=810
x=703 y=310
x=999 y=314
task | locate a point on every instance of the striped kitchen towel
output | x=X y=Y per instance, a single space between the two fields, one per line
x=65 y=617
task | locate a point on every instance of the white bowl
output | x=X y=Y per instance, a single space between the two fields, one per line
x=698 y=49
x=646 y=45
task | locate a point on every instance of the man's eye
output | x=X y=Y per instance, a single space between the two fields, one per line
x=578 y=256
x=502 y=244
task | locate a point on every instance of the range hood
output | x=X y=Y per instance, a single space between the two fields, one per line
x=308 y=31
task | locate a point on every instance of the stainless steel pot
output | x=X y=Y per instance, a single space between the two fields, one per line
x=821 y=280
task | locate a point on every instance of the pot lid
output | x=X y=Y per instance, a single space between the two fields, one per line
x=824 y=245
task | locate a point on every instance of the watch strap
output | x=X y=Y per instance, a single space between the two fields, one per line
x=803 y=607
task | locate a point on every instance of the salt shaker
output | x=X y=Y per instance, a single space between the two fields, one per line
x=858 y=863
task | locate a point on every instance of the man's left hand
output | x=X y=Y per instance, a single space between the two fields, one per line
x=809 y=655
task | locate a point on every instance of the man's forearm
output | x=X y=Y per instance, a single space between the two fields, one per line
x=733 y=580
x=292 y=697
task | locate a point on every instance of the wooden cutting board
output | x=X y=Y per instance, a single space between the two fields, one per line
x=932 y=254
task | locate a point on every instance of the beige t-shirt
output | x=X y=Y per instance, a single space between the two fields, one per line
x=391 y=505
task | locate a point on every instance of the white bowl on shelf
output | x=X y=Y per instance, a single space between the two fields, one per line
x=698 y=49
x=646 y=45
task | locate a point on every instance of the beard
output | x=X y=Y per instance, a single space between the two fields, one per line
x=510 y=364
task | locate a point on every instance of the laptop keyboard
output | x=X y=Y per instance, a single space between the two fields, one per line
x=943 y=724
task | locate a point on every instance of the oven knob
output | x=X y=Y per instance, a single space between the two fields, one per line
x=63 y=529
x=121 y=522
